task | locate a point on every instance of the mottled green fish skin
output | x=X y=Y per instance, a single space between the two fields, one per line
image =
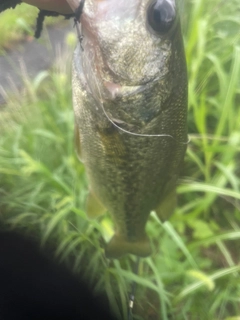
x=130 y=174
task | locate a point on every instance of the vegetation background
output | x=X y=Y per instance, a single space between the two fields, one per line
x=194 y=271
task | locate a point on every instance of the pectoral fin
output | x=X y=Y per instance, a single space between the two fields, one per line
x=94 y=206
x=167 y=205
x=119 y=246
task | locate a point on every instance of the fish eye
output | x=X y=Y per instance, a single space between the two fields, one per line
x=161 y=16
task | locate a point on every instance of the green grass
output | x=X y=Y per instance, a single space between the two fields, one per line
x=194 y=271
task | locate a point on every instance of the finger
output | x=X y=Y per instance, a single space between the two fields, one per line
x=60 y=6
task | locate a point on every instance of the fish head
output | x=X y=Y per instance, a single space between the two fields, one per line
x=128 y=43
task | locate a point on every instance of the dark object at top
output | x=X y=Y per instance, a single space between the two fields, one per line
x=45 y=13
x=8 y=4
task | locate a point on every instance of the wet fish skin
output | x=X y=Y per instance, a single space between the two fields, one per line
x=132 y=78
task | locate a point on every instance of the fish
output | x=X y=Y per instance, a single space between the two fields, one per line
x=130 y=96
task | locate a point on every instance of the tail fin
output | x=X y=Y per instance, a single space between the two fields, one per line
x=119 y=246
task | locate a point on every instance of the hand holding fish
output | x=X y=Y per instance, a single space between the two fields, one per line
x=60 y=6
x=69 y=9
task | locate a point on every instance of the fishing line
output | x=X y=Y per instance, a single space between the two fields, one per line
x=129 y=132
x=137 y=134
x=133 y=290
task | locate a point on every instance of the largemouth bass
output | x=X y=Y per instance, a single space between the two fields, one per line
x=130 y=106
